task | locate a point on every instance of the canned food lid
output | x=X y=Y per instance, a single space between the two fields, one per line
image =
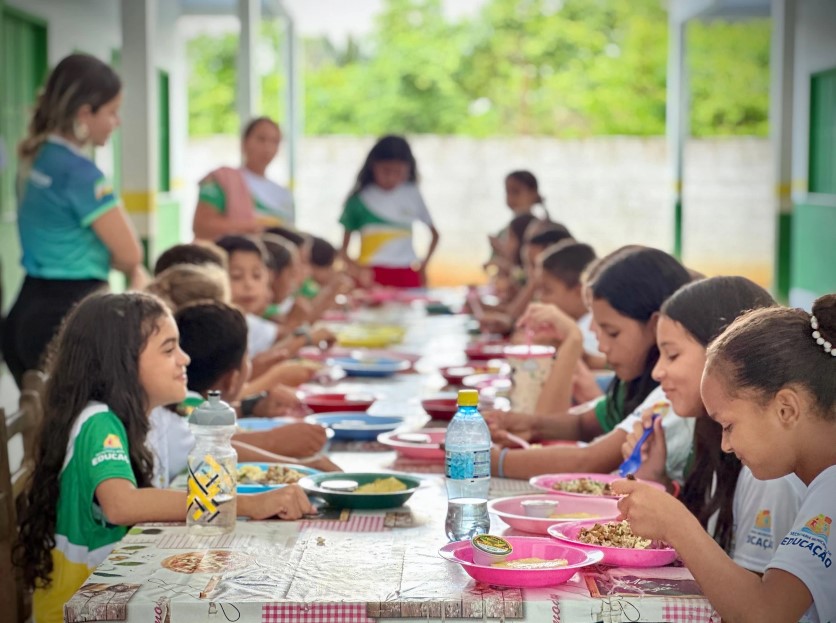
x=491 y=544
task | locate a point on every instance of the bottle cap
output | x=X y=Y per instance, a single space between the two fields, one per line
x=213 y=412
x=468 y=398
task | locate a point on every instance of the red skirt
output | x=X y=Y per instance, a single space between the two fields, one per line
x=404 y=277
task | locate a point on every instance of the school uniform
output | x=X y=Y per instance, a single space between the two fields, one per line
x=170 y=439
x=97 y=450
x=64 y=193
x=261 y=334
x=807 y=552
x=269 y=199
x=384 y=219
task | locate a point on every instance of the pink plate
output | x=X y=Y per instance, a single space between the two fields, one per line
x=454 y=375
x=484 y=352
x=615 y=556
x=326 y=403
x=461 y=552
x=546 y=482
x=511 y=511
x=440 y=408
x=409 y=446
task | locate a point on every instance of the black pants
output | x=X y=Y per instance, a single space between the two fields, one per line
x=35 y=318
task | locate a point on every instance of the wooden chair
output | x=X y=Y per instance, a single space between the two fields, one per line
x=26 y=421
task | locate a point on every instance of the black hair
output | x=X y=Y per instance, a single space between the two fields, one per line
x=704 y=309
x=635 y=282
x=279 y=252
x=518 y=226
x=96 y=358
x=527 y=179
x=554 y=233
x=254 y=123
x=771 y=349
x=197 y=253
x=323 y=253
x=243 y=244
x=389 y=147
x=567 y=260
x=76 y=81
x=294 y=237
x=214 y=336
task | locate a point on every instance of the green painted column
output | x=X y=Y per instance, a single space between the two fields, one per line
x=783 y=254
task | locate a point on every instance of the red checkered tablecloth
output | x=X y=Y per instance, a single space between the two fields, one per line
x=314 y=613
x=689 y=611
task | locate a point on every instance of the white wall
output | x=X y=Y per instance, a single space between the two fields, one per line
x=608 y=191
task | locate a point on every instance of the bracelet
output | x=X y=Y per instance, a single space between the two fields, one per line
x=677 y=488
x=500 y=467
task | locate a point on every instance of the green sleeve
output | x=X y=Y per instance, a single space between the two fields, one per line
x=105 y=448
x=212 y=193
x=601 y=414
x=351 y=216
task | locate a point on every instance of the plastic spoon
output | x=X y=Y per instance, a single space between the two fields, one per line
x=634 y=461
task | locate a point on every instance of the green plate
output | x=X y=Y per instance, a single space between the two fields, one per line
x=368 y=501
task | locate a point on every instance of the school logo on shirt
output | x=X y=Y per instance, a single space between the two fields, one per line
x=112 y=441
x=103 y=189
x=761 y=533
x=818 y=526
x=813 y=537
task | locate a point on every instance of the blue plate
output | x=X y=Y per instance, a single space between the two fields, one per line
x=376 y=367
x=259 y=488
x=263 y=423
x=356 y=426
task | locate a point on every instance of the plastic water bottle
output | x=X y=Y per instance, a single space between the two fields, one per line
x=468 y=470
x=213 y=469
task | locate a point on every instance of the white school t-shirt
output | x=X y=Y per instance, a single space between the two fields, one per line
x=764 y=512
x=384 y=219
x=806 y=552
x=679 y=433
x=270 y=198
x=261 y=334
x=170 y=440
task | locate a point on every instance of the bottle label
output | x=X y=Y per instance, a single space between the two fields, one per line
x=465 y=465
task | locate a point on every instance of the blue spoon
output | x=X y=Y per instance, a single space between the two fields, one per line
x=634 y=461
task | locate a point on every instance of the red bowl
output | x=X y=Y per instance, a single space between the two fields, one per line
x=440 y=408
x=328 y=403
x=484 y=352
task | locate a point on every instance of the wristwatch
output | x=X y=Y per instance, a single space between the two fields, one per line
x=248 y=403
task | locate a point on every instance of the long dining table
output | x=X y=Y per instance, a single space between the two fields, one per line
x=363 y=566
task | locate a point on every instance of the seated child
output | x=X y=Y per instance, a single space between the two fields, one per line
x=196 y=253
x=184 y=283
x=214 y=335
x=116 y=359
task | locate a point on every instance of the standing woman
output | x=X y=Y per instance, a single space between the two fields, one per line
x=72 y=226
x=235 y=201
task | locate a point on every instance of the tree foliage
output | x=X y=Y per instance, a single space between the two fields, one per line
x=538 y=67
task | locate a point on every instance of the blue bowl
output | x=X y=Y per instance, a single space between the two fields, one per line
x=378 y=367
x=261 y=488
x=263 y=423
x=355 y=426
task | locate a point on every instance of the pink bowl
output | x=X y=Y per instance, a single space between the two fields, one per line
x=545 y=482
x=430 y=451
x=484 y=381
x=511 y=511
x=534 y=351
x=615 y=556
x=461 y=552
x=440 y=408
x=327 y=403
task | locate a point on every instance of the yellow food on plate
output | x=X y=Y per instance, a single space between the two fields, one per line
x=382 y=485
x=532 y=563
x=273 y=475
x=578 y=515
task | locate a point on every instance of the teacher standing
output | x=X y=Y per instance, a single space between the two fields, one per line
x=72 y=227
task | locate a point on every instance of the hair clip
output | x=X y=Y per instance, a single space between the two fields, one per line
x=827 y=346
